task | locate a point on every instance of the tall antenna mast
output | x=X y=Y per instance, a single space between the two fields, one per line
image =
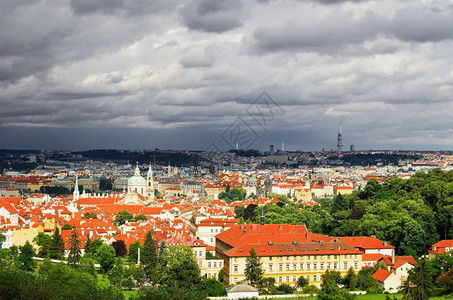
x=340 y=139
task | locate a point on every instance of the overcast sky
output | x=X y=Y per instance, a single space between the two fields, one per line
x=185 y=74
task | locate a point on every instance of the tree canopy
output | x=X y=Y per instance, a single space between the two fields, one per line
x=123 y=216
x=409 y=214
x=56 y=249
x=74 y=248
x=148 y=256
x=253 y=268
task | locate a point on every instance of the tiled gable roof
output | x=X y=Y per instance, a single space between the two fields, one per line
x=381 y=275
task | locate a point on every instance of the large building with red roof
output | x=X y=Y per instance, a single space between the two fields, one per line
x=287 y=252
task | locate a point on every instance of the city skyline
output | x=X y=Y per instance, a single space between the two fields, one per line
x=180 y=74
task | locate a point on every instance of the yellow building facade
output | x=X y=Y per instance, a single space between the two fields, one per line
x=286 y=252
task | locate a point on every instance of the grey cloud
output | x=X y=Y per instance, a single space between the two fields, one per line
x=198 y=58
x=126 y=7
x=325 y=2
x=119 y=75
x=213 y=15
x=334 y=32
x=417 y=25
x=313 y=34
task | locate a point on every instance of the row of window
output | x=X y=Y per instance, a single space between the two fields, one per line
x=308 y=266
x=315 y=266
x=308 y=257
x=315 y=278
x=214 y=264
x=25 y=234
x=294 y=279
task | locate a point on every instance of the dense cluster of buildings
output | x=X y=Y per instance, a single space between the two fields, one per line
x=182 y=206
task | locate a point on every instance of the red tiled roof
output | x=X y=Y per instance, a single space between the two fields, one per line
x=372 y=257
x=381 y=275
x=440 y=246
x=365 y=242
x=280 y=239
x=401 y=260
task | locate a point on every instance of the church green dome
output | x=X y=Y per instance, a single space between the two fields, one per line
x=136 y=179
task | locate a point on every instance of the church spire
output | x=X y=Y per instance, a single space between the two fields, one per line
x=150 y=171
x=76 y=194
x=137 y=171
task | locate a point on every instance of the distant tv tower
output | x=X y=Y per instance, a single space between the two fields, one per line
x=283 y=146
x=340 y=139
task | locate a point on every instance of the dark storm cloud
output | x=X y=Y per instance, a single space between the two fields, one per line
x=213 y=15
x=138 y=74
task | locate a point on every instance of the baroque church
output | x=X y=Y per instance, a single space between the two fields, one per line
x=142 y=186
x=139 y=190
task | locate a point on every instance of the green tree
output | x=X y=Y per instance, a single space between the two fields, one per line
x=95 y=245
x=57 y=245
x=162 y=249
x=137 y=273
x=44 y=242
x=45 y=266
x=123 y=216
x=209 y=255
x=105 y=184
x=339 y=203
x=302 y=282
x=86 y=265
x=253 y=268
x=365 y=279
x=27 y=252
x=350 y=280
x=140 y=217
x=445 y=281
x=71 y=283
x=116 y=273
x=285 y=288
x=2 y=238
x=74 y=248
x=213 y=287
x=14 y=252
x=67 y=226
x=441 y=264
x=105 y=256
x=181 y=274
x=120 y=248
x=148 y=256
x=88 y=245
x=239 y=211
x=421 y=277
x=133 y=251
x=329 y=286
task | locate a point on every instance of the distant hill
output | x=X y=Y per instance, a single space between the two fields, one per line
x=143 y=157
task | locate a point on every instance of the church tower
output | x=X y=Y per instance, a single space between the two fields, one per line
x=76 y=194
x=149 y=182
